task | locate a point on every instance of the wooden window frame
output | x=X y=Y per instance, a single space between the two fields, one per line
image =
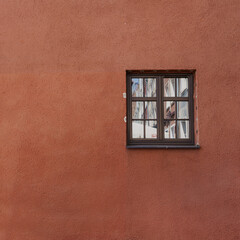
x=160 y=142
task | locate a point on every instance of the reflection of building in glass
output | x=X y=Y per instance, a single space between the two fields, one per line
x=169 y=87
x=169 y=129
x=150 y=87
x=137 y=110
x=182 y=87
x=137 y=129
x=169 y=126
x=151 y=129
x=175 y=111
x=183 y=129
x=137 y=87
x=182 y=110
x=150 y=110
x=170 y=109
x=144 y=109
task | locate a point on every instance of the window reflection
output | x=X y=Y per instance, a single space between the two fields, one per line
x=151 y=129
x=169 y=87
x=137 y=129
x=137 y=110
x=183 y=129
x=137 y=87
x=169 y=109
x=150 y=110
x=169 y=129
x=182 y=110
x=150 y=87
x=182 y=87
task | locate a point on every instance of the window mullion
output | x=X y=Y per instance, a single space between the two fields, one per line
x=129 y=108
x=176 y=110
x=191 y=107
x=160 y=107
x=144 y=121
x=176 y=120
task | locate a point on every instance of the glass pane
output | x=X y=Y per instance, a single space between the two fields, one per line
x=151 y=129
x=150 y=110
x=169 y=109
x=137 y=110
x=169 y=87
x=137 y=87
x=182 y=110
x=169 y=129
x=182 y=87
x=150 y=87
x=183 y=129
x=137 y=129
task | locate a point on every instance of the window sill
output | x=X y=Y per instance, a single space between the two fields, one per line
x=163 y=146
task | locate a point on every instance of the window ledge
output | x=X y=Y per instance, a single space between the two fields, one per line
x=163 y=146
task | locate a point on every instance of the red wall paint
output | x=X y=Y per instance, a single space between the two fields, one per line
x=64 y=170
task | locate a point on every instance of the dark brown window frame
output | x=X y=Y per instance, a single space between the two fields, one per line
x=160 y=142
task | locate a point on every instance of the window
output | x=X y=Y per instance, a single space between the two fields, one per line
x=160 y=109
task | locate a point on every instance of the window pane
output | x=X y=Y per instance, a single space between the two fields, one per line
x=137 y=129
x=182 y=110
x=151 y=129
x=137 y=110
x=150 y=87
x=183 y=129
x=150 y=110
x=169 y=129
x=137 y=87
x=169 y=109
x=169 y=87
x=182 y=87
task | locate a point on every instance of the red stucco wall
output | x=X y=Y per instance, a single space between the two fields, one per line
x=65 y=173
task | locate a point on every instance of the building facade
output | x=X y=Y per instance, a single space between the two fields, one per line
x=65 y=171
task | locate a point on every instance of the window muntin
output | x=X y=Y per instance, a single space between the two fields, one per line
x=160 y=108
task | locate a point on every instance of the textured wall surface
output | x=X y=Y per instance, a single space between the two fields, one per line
x=65 y=173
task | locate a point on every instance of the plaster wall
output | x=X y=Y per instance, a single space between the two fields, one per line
x=65 y=173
